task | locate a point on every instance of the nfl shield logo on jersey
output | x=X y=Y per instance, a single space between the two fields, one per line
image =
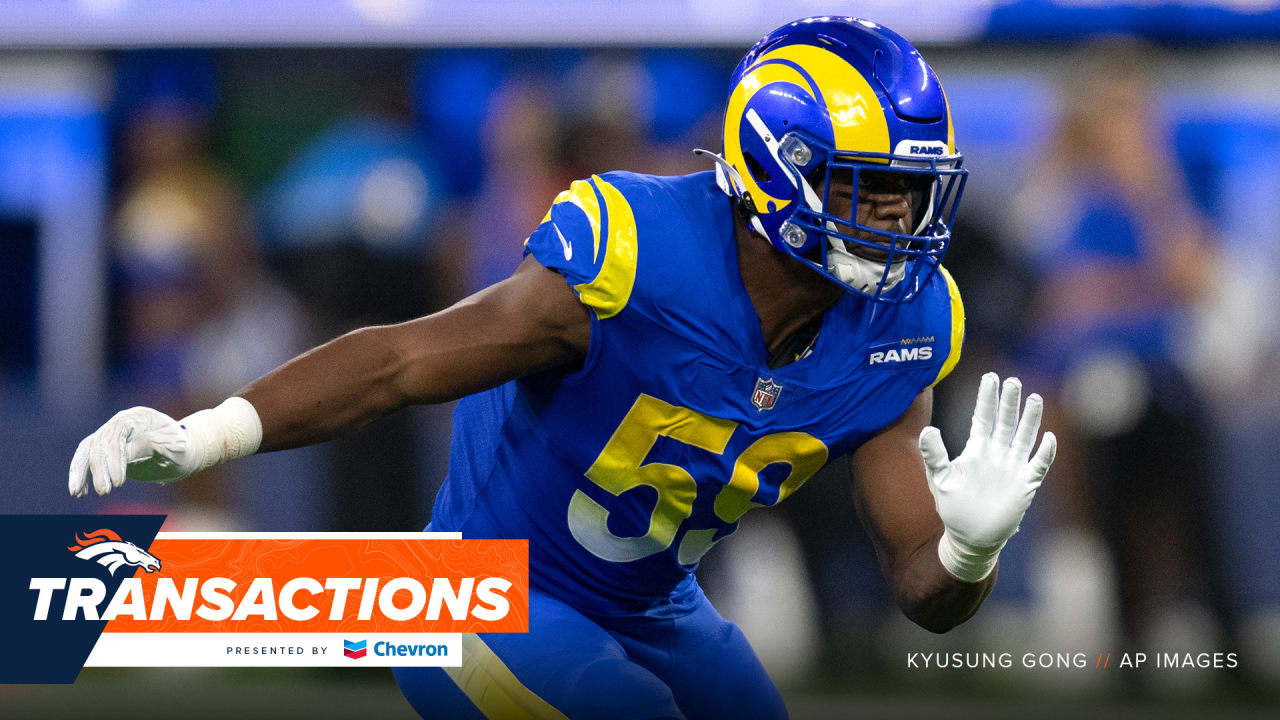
x=766 y=394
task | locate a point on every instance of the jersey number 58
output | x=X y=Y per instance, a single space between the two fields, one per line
x=618 y=469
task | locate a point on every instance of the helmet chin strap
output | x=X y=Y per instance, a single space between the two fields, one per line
x=729 y=181
x=859 y=272
x=727 y=177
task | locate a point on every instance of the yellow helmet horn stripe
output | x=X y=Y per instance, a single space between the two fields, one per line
x=856 y=116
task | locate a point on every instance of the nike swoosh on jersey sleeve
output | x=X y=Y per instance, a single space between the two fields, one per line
x=589 y=236
x=568 y=249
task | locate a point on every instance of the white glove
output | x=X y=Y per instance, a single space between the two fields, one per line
x=147 y=445
x=982 y=495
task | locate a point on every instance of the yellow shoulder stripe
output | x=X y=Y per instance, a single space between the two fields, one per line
x=957 y=327
x=562 y=197
x=581 y=195
x=608 y=293
x=494 y=689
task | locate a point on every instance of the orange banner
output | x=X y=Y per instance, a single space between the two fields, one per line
x=356 y=585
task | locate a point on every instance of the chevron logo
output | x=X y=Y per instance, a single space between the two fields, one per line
x=355 y=650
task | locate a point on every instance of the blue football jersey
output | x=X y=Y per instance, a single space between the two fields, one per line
x=623 y=473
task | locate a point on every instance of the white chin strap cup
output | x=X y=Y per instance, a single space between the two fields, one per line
x=860 y=273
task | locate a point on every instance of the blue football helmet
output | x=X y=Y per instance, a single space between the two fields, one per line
x=843 y=98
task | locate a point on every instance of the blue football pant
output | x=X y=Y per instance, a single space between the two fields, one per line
x=635 y=667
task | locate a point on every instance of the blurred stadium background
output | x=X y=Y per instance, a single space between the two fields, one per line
x=192 y=192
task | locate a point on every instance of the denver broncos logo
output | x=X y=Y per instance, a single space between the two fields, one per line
x=108 y=549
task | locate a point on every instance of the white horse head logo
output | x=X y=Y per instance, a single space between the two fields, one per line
x=111 y=551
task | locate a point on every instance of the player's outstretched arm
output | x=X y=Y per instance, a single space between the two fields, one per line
x=529 y=322
x=939 y=525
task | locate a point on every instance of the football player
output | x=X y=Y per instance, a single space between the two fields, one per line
x=672 y=353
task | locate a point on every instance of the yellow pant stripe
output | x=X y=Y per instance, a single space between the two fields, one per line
x=493 y=688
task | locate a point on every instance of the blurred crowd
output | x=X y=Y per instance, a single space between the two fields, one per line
x=264 y=201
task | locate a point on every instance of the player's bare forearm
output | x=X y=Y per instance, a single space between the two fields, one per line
x=893 y=502
x=527 y=323
x=929 y=595
x=342 y=384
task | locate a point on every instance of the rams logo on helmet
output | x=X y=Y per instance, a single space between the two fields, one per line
x=108 y=549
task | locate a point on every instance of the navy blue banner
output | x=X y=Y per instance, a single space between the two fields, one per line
x=49 y=560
